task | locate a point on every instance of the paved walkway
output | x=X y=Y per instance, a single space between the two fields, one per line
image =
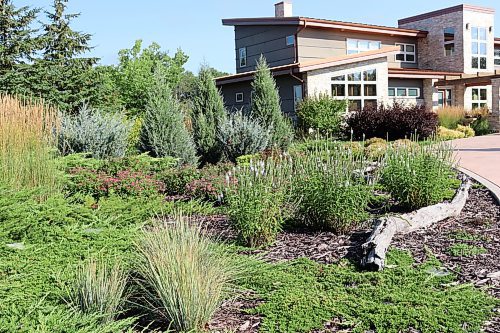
x=480 y=155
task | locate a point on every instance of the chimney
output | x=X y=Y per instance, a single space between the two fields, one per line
x=283 y=9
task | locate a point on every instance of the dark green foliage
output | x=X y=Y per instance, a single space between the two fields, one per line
x=18 y=44
x=481 y=126
x=322 y=113
x=208 y=113
x=164 y=132
x=301 y=296
x=420 y=176
x=266 y=107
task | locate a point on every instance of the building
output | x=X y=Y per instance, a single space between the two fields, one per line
x=445 y=57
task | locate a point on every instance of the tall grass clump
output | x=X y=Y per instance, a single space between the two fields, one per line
x=100 y=134
x=331 y=189
x=98 y=289
x=451 y=116
x=26 y=143
x=183 y=277
x=420 y=176
x=256 y=195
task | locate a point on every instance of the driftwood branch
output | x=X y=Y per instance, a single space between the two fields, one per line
x=386 y=228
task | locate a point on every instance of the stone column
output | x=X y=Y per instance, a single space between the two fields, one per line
x=430 y=94
x=494 y=118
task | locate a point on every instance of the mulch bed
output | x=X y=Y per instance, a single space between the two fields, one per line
x=480 y=218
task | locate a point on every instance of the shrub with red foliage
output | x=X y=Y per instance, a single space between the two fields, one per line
x=396 y=121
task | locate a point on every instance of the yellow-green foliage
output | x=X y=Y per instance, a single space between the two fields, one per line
x=448 y=134
x=451 y=116
x=371 y=141
x=376 y=150
x=404 y=144
x=134 y=137
x=355 y=147
x=467 y=130
x=26 y=140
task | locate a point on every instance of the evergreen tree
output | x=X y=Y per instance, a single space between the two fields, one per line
x=208 y=112
x=266 y=106
x=18 y=44
x=63 y=76
x=164 y=132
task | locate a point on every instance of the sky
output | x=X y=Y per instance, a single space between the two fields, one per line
x=196 y=27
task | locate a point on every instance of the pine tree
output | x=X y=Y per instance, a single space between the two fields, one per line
x=164 y=132
x=18 y=44
x=63 y=76
x=208 y=112
x=266 y=106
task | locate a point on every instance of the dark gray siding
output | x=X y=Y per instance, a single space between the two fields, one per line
x=267 y=40
x=285 y=85
x=408 y=83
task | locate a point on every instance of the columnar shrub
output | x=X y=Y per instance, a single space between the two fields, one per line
x=256 y=196
x=164 y=132
x=266 y=107
x=208 y=113
x=182 y=277
x=98 y=289
x=322 y=113
x=92 y=131
x=330 y=189
x=239 y=135
x=419 y=177
x=395 y=121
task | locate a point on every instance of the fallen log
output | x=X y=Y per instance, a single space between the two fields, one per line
x=375 y=248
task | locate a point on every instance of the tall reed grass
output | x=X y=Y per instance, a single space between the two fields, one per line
x=26 y=143
x=182 y=276
x=451 y=116
x=99 y=289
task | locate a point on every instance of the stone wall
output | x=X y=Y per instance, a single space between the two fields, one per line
x=495 y=109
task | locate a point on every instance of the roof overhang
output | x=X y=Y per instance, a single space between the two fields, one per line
x=410 y=73
x=326 y=24
x=497 y=41
x=312 y=65
x=440 y=12
x=470 y=80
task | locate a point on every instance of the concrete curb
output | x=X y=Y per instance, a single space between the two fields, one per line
x=494 y=189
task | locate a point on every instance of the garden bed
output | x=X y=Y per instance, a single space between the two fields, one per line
x=467 y=246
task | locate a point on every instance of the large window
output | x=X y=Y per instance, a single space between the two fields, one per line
x=479 y=47
x=243 y=56
x=406 y=53
x=360 y=88
x=497 y=57
x=401 y=92
x=479 y=98
x=449 y=41
x=355 y=46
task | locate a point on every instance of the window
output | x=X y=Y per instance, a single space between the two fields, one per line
x=402 y=92
x=290 y=40
x=407 y=53
x=479 y=98
x=360 y=88
x=297 y=95
x=444 y=97
x=497 y=57
x=243 y=57
x=449 y=41
x=239 y=97
x=355 y=46
x=479 y=47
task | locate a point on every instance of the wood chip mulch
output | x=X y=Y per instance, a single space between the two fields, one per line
x=479 y=219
